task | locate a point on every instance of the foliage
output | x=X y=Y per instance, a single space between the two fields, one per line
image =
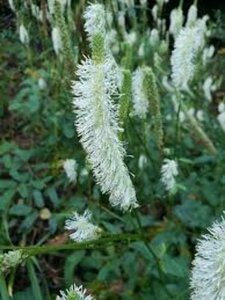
x=153 y=260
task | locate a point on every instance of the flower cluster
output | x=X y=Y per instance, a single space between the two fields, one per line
x=81 y=228
x=208 y=274
x=11 y=259
x=74 y=293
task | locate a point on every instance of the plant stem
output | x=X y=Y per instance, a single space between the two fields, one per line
x=152 y=252
x=3 y=288
x=34 y=281
x=36 y=250
x=198 y=130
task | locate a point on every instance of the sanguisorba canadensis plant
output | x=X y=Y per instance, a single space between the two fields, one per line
x=97 y=115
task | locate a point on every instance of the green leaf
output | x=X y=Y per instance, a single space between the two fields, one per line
x=38 y=198
x=20 y=210
x=28 y=222
x=27 y=294
x=23 y=190
x=6 y=147
x=176 y=266
x=193 y=213
x=6 y=199
x=51 y=192
x=70 y=264
x=7 y=184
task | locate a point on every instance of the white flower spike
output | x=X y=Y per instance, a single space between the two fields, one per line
x=168 y=172
x=176 y=21
x=140 y=100
x=208 y=273
x=187 y=45
x=56 y=40
x=81 y=227
x=97 y=115
x=24 y=36
x=69 y=166
x=74 y=293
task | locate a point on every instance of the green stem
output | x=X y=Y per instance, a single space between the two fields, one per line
x=34 y=281
x=152 y=252
x=198 y=130
x=177 y=127
x=102 y=242
x=3 y=288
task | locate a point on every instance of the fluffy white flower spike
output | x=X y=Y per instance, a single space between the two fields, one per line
x=139 y=97
x=56 y=40
x=11 y=5
x=69 y=166
x=81 y=227
x=192 y=15
x=96 y=116
x=176 y=21
x=168 y=172
x=94 y=20
x=24 y=36
x=208 y=273
x=187 y=45
x=74 y=293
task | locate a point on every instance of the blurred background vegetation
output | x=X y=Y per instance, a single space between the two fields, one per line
x=37 y=134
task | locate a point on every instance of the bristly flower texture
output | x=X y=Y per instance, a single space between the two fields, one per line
x=11 y=259
x=81 y=227
x=74 y=293
x=168 y=172
x=97 y=115
x=187 y=45
x=208 y=273
x=69 y=166
x=139 y=96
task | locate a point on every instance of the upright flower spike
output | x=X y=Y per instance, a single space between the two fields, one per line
x=208 y=273
x=64 y=35
x=70 y=166
x=97 y=115
x=176 y=21
x=140 y=100
x=153 y=96
x=169 y=171
x=24 y=36
x=187 y=45
x=56 y=40
x=192 y=16
x=125 y=98
x=74 y=293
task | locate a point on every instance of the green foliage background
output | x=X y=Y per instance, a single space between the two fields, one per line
x=37 y=133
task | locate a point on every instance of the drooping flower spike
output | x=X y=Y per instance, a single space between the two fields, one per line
x=97 y=115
